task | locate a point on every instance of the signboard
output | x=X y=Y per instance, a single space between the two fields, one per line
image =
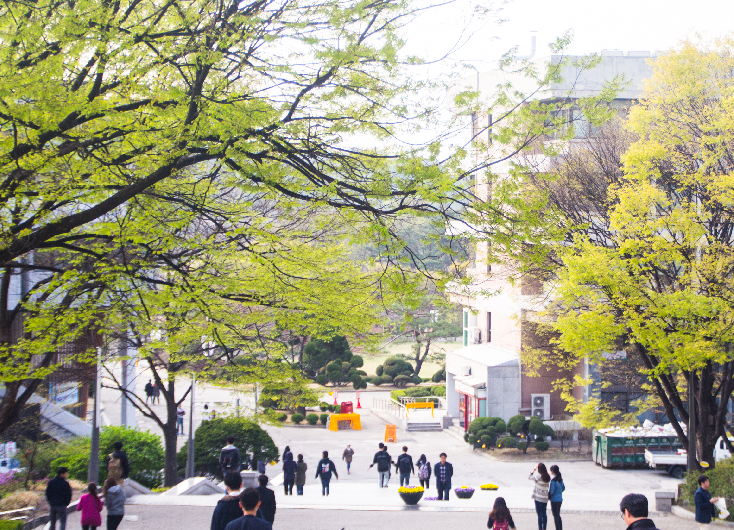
x=391 y=433
x=464 y=388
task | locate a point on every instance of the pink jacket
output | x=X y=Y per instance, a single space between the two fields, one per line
x=90 y=507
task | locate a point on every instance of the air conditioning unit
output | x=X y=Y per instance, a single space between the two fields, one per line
x=541 y=406
x=465 y=370
x=475 y=336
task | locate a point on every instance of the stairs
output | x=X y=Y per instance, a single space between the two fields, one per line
x=455 y=431
x=434 y=426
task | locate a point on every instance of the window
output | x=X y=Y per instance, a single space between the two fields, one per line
x=489 y=327
x=466 y=337
x=466 y=318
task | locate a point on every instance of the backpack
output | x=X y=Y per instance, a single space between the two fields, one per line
x=424 y=471
x=383 y=462
x=500 y=525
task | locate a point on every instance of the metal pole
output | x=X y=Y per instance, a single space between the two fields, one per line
x=692 y=462
x=93 y=468
x=190 y=449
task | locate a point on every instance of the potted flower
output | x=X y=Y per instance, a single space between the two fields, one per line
x=464 y=492
x=411 y=496
x=489 y=487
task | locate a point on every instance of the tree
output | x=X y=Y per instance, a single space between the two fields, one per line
x=662 y=283
x=331 y=361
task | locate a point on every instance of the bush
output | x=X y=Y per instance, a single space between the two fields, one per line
x=395 y=366
x=416 y=379
x=417 y=391
x=12 y=525
x=324 y=418
x=496 y=424
x=323 y=405
x=466 y=437
x=379 y=371
x=377 y=380
x=542 y=446
x=312 y=418
x=721 y=483
x=356 y=361
x=472 y=439
x=439 y=376
x=439 y=391
x=211 y=436
x=401 y=380
x=486 y=440
x=297 y=418
x=281 y=417
x=18 y=500
x=386 y=379
x=522 y=446
x=336 y=409
x=508 y=442
x=322 y=379
x=514 y=426
x=144 y=450
x=36 y=457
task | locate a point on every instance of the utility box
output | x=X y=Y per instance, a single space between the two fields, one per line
x=664 y=501
x=347 y=407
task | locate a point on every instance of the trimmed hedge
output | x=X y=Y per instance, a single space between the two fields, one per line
x=324 y=418
x=508 y=442
x=312 y=418
x=282 y=417
x=542 y=446
x=297 y=418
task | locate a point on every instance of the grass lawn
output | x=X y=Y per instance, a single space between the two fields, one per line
x=372 y=361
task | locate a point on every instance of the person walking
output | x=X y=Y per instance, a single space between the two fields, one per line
x=324 y=469
x=383 y=460
x=499 y=517
x=267 y=499
x=555 y=495
x=289 y=473
x=91 y=507
x=405 y=467
x=347 y=457
x=180 y=413
x=704 y=503
x=634 y=512
x=443 y=472
x=540 y=493
x=114 y=499
x=157 y=393
x=287 y=451
x=58 y=496
x=228 y=507
x=118 y=465
x=229 y=457
x=148 y=391
x=301 y=468
x=424 y=472
x=261 y=467
x=250 y=504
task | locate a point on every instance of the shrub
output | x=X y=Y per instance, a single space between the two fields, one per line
x=377 y=380
x=322 y=379
x=416 y=379
x=522 y=446
x=312 y=418
x=324 y=418
x=417 y=391
x=356 y=361
x=721 y=483
x=439 y=391
x=542 y=446
x=36 y=458
x=379 y=371
x=323 y=406
x=12 y=525
x=395 y=366
x=466 y=437
x=18 y=500
x=281 y=417
x=211 y=436
x=514 y=426
x=508 y=442
x=496 y=424
x=386 y=379
x=439 y=376
x=297 y=418
x=472 y=439
x=336 y=408
x=144 y=450
x=487 y=440
x=401 y=380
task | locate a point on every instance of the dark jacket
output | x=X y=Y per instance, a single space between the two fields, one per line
x=289 y=467
x=704 y=508
x=555 y=493
x=58 y=492
x=325 y=468
x=229 y=459
x=249 y=522
x=510 y=523
x=449 y=473
x=405 y=464
x=647 y=524
x=124 y=462
x=267 y=503
x=227 y=510
x=383 y=461
x=302 y=467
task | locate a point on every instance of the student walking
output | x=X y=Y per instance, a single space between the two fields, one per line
x=555 y=495
x=267 y=499
x=540 y=493
x=424 y=472
x=383 y=460
x=443 y=472
x=704 y=503
x=228 y=507
x=301 y=468
x=499 y=517
x=229 y=457
x=324 y=469
x=289 y=473
x=250 y=504
x=157 y=393
x=180 y=413
x=404 y=466
x=118 y=464
x=58 y=496
x=91 y=507
x=114 y=499
x=347 y=456
x=148 y=391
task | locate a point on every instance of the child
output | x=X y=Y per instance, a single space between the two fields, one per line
x=91 y=507
x=499 y=517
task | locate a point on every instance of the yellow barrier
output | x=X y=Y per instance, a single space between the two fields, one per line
x=354 y=419
x=422 y=405
x=391 y=433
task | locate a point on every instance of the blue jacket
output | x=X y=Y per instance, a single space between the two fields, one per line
x=555 y=494
x=704 y=508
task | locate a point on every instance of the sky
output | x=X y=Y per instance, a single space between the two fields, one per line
x=624 y=24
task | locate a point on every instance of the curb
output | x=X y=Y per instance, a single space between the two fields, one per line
x=681 y=512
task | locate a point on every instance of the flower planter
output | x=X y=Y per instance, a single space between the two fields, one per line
x=464 y=493
x=411 y=499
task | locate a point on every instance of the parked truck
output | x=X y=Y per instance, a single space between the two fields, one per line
x=675 y=464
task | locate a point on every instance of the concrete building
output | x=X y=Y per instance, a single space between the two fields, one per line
x=487 y=377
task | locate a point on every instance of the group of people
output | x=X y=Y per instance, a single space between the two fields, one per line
x=58 y=495
x=404 y=467
x=152 y=392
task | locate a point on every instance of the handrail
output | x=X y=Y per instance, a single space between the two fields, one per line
x=31 y=509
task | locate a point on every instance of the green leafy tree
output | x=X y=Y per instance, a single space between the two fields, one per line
x=331 y=361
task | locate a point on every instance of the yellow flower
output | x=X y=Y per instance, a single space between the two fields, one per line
x=414 y=489
x=489 y=487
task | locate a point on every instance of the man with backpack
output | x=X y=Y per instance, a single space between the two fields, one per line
x=404 y=466
x=383 y=461
x=118 y=464
x=229 y=458
x=324 y=469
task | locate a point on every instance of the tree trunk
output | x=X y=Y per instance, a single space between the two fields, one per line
x=419 y=360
